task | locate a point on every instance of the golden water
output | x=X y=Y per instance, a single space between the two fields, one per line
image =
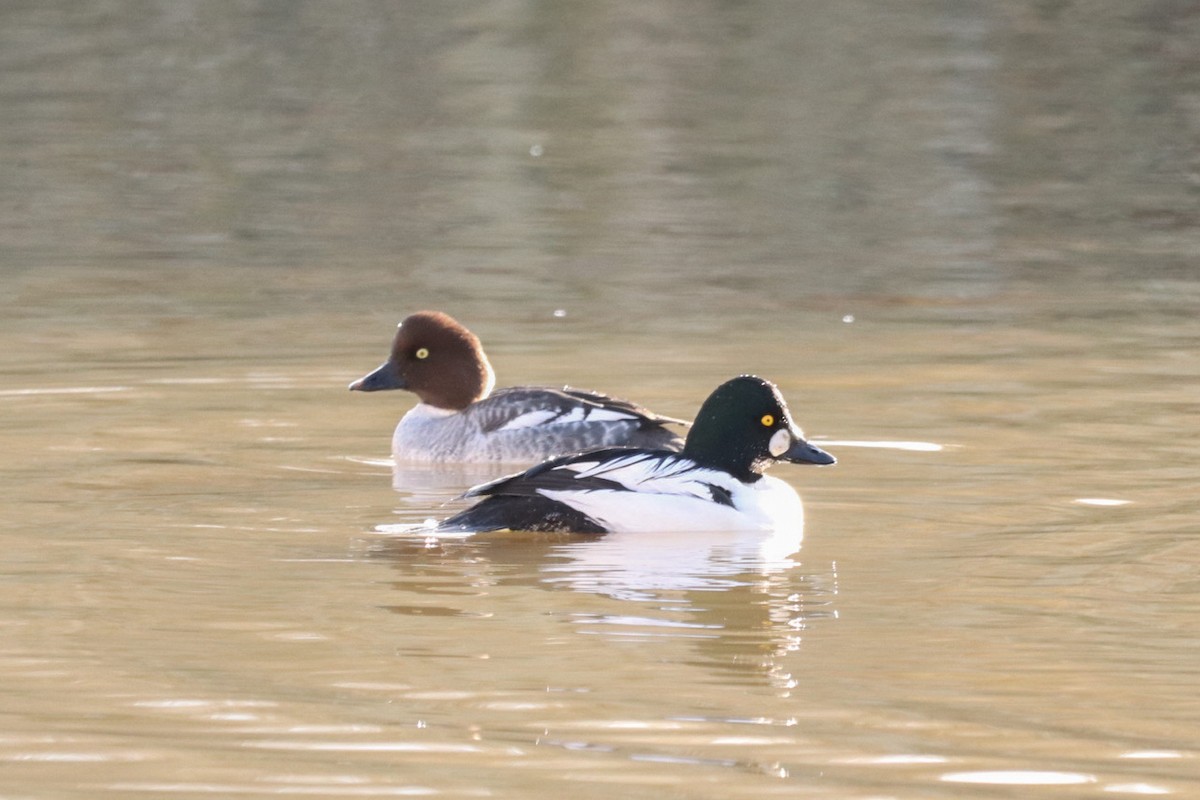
x=921 y=224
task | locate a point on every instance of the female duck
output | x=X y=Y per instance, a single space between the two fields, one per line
x=716 y=483
x=459 y=417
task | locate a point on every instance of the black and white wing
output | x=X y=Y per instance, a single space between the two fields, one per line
x=586 y=418
x=557 y=495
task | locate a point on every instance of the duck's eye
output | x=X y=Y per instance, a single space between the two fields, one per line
x=767 y=420
x=422 y=353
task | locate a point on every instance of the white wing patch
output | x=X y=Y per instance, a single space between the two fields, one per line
x=653 y=475
x=546 y=416
x=529 y=419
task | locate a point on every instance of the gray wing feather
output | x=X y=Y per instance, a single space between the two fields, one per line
x=573 y=419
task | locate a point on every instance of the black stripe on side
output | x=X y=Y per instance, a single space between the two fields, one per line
x=720 y=495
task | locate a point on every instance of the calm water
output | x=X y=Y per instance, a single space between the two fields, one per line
x=969 y=225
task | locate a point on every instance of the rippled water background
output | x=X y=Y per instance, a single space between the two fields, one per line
x=974 y=225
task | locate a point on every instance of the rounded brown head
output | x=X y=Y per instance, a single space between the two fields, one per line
x=435 y=358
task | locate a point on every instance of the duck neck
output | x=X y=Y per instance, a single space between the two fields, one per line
x=708 y=449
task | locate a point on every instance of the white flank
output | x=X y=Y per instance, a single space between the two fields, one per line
x=675 y=504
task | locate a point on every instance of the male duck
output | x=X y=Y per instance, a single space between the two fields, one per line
x=459 y=418
x=716 y=483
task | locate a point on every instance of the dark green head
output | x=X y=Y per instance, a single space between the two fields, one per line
x=744 y=427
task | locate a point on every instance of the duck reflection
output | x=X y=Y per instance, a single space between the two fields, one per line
x=632 y=566
x=430 y=485
x=738 y=600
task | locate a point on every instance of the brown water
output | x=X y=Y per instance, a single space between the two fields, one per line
x=970 y=225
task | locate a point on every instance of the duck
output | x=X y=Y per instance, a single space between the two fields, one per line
x=716 y=482
x=462 y=418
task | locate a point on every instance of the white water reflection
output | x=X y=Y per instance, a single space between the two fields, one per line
x=633 y=566
x=737 y=602
x=1019 y=777
x=920 y=447
x=37 y=392
x=638 y=566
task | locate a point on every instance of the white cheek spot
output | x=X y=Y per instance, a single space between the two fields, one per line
x=781 y=440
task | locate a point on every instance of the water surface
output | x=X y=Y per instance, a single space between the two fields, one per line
x=969 y=225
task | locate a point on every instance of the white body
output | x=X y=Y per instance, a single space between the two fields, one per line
x=649 y=491
x=767 y=504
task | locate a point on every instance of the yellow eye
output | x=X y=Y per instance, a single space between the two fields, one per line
x=422 y=352
x=767 y=420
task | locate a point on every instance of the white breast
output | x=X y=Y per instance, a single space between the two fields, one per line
x=427 y=433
